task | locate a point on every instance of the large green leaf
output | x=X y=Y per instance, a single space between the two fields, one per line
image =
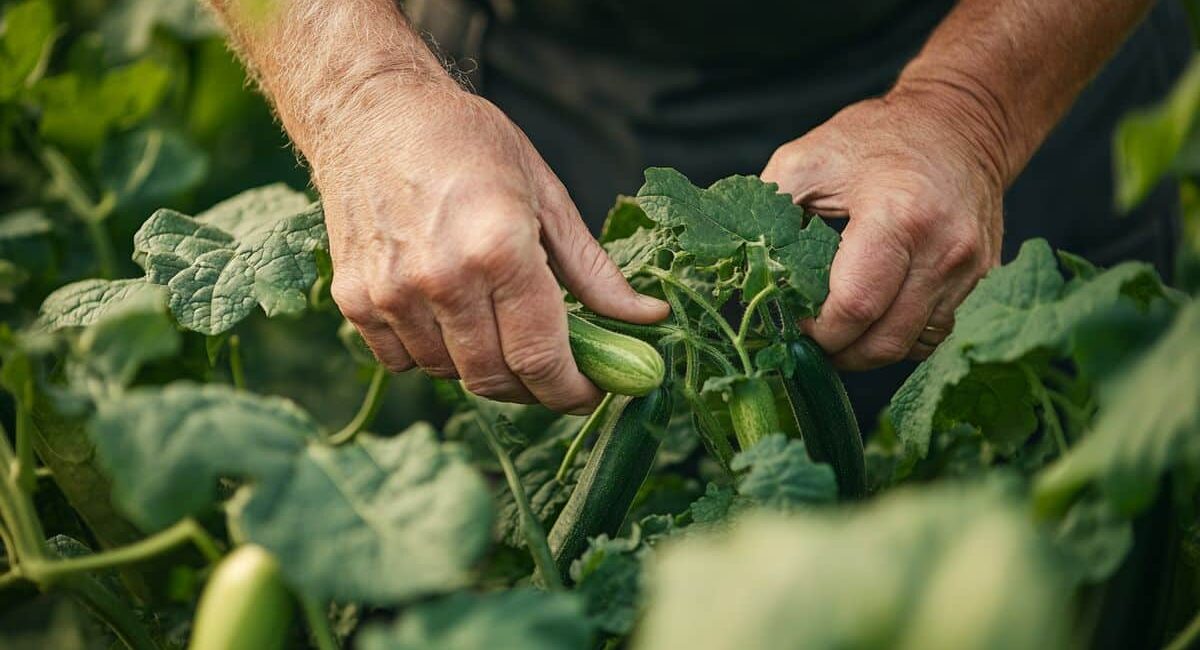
x=952 y=567
x=78 y=111
x=88 y=301
x=1149 y=427
x=741 y=212
x=1147 y=143
x=149 y=165
x=781 y=475
x=383 y=519
x=254 y=249
x=1020 y=310
x=28 y=31
x=521 y=619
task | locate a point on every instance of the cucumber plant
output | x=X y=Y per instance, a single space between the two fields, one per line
x=157 y=478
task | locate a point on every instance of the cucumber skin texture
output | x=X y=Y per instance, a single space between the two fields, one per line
x=752 y=409
x=616 y=468
x=244 y=606
x=825 y=418
x=616 y=363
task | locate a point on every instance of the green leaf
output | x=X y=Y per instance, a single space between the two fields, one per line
x=1149 y=427
x=166 y=447
x=537 y=466
x=28 y=32
x=254 y=249
x=79 y=111
x=781 y=475
x=1095 y=539
x=128 y=25
x=149 y=166
x=948 y=567
x=1020 y=312
x=11 y=279
x=608 y=577
x=521 y=618
x=624 y=219
x=117 y=345
x=384 y=519
x=718 y=505
x=86 y=302
x=638 y=249
x=738 y=211
x=1147 y=142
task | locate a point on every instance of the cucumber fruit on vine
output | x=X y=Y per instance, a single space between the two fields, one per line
x=752 y=409
x=245 y=605
x=616 y=467
x=616 y=363
x=825 y=417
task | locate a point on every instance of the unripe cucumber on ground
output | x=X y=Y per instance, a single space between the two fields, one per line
x=616 y=363
x=616 y=467
x=825 y=417
x=244 y=606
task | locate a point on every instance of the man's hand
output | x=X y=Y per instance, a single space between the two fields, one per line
x=447 y=231
x=923 y=197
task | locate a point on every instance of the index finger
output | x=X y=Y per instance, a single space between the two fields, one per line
x=532 y=323
x=868 y=270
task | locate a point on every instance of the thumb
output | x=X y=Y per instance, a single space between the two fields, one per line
x=586 y=270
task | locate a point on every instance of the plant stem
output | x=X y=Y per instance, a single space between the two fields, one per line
x=48 y=571
x=25 y=473
x=367 y=411
x=535 y=537
x=708 y=308
x=115 y=613
x=1049 y=415
x=16 y=509
x=748 y=315
x=235 y=362
x=318 y=624
x=586 y=430
x=1077 y=415
x=1189 y=637
x=106 y=257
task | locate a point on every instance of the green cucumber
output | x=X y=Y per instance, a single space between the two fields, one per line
x=245 y=605
x=616 y=467
x=824 y=416
x=752 y=409
x=616 y=363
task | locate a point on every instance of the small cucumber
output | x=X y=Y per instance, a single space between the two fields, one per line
x=752 y=409
x=825 y=418
x=616 y=467
x=245 y=605
x=616 y=363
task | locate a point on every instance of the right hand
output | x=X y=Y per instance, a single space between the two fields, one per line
x=447 y=232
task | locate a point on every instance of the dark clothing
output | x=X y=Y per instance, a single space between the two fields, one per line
x=715 y=91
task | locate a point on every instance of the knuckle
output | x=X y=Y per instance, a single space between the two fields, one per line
x=395 y=365
x=502 y=245
x=441 y=284
x=859 y=307
x=964 y=251
x=537 y=363
x=352 y=299
x=886 y=349
x=391 y=298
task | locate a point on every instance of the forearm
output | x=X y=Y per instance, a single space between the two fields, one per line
x=1010 y=69
x=322 y=61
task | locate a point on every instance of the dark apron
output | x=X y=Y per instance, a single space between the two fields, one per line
x=599 y=115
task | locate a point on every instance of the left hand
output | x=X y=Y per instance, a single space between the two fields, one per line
x=923 y=190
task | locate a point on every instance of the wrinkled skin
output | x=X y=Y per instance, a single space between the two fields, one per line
x=450 y=236
x=924 y=201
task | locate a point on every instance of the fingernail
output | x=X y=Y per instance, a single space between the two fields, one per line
x=650 y=301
